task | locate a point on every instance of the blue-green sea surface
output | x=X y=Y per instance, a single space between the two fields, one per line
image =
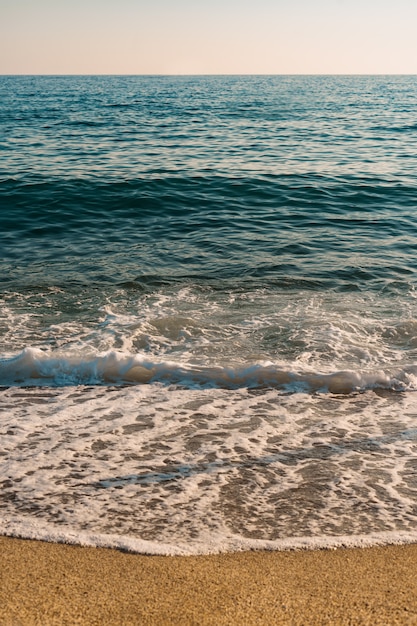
x=208 y=314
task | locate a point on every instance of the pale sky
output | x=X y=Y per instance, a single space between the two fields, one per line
x=208 y=37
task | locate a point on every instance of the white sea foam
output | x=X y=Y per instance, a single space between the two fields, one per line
x=168 y=469
x=210 y=544
x=191 y=422
x=36 y=367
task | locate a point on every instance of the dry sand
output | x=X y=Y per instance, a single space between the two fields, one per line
x=43 y=583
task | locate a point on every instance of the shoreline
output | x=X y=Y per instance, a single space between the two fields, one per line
x=46 y=583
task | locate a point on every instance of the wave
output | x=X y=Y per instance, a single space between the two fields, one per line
x=210 y=543
x=34 y=367
x=275 y=228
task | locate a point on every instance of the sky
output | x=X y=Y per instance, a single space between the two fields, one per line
x=208 y=37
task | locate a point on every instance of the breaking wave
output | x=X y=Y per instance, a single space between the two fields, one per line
x=34 y=367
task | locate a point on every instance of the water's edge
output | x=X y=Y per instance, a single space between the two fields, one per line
x=217 y=544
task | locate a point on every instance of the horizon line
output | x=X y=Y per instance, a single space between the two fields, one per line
x=162 y=74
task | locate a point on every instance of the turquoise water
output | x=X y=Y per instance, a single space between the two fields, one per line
x=208 y=325
x=112 y=179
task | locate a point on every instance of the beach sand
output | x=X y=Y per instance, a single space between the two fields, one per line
x=44 y=583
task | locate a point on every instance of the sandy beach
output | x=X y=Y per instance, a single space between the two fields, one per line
x=44 y=583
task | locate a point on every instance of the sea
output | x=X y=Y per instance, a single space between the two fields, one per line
x=208 y=311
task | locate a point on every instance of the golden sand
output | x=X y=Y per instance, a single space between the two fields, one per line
x=45 y=584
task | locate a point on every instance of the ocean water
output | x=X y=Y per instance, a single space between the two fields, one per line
x=208 y=311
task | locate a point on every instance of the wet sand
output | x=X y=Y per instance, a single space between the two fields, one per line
x=43 y=583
